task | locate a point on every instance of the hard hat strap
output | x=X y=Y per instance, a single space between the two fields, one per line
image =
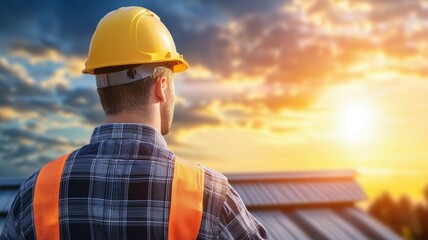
x=123 y=77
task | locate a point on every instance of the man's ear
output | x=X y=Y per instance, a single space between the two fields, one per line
x=160 y=87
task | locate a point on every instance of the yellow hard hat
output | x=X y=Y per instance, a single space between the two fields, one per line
x=132 y=35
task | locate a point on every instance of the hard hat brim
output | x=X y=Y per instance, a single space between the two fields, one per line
x=180 y=65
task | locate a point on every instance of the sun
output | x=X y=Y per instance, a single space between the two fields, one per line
x=356 y=120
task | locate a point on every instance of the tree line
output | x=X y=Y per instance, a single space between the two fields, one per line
x=408 y=219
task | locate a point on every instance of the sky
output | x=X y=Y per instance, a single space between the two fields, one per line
x=272 y=85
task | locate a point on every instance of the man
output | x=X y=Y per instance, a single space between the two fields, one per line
x=125 y=184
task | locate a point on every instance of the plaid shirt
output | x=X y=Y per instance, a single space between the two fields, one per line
x=119 y=187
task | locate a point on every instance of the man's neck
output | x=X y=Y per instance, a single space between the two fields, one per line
x=144 y=117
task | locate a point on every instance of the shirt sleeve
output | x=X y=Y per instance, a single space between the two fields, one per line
x=236 y=222
x=12 y=227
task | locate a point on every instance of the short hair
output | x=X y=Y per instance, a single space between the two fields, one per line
x=130 y=96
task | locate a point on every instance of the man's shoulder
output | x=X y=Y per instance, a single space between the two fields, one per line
x=215 y=176
x=26 y=189
x=30 y=181
x=216 y=184
x=212 y=177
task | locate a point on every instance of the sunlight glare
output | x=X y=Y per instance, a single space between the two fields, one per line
x=356 y=121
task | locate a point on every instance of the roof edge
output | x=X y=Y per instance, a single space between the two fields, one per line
x=11 y=182
x=292 y=175
x=334 y=204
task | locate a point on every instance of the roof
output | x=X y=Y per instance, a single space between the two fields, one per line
x=291 y=205
x=322 y=223
x=309 y=205
x=296 y=189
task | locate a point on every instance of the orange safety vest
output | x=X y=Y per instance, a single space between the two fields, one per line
x=186 y=200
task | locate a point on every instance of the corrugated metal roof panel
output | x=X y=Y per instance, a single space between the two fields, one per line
x=371 y=224
x=322 y=224
x=330 y=225
x=280 y=226
x=298 y=193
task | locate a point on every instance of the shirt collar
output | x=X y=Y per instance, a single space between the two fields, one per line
x=135 y=131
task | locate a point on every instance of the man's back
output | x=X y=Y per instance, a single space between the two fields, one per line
x=119 y=187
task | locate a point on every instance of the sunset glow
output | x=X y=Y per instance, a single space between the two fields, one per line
x=356 y=120
x=272 y=86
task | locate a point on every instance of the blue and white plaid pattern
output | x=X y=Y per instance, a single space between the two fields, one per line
x=118 y=187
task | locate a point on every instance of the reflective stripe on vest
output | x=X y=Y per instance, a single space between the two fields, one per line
x=187 y=193
x=186 y=200
x=46 y=199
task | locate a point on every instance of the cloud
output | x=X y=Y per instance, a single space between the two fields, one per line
x=193 y=117
x=254 y=62
x=83 y=102
x=35 y=52
x=31 y=115
x=38 y=55
x=21 y=94
x=28 y=136
x=235 y=8
x=17 y=89
x=386 y=11
x=290 y=45
x=22 y=149
x=296 y=49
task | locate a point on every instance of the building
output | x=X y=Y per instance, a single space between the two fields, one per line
x=309 y=205
x=291 y=205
